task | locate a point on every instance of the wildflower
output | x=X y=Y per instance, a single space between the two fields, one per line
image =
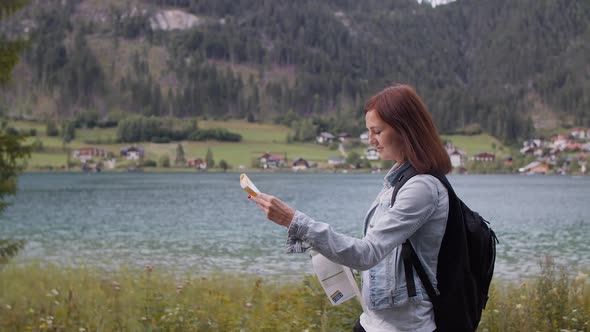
x=32 y=311
x=496 y=311
x=574 y=320
x=116 y=285
x=581 y=277
x=55 y=292
x=519 y=306
x=143 y=318
x=9 y=307
x=248 y=305
x=56 y=302
x=81 y=329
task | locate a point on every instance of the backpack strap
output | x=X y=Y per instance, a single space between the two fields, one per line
x=403 y=178
x=411 y=259
x=409 y=256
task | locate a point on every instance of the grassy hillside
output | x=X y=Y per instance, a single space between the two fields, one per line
x=257 y=139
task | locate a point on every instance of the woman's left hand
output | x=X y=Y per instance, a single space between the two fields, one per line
x=275 y=209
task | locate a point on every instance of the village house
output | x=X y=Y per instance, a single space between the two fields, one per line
x=485 y=157
x=581 y=133
x=574 y=146
x=343 y=137
x=132 y=152
x=582 y=161
x=300 y=164
x=86 y=153
x=325 y=138
x=457 y=156
x=536 y=167
x=335 y=161
x=197 y=163
x=371 y=153
x=364 y=137
x=533 y=147
x=271 y=160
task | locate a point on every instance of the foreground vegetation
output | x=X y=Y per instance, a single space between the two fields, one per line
x=51 y=298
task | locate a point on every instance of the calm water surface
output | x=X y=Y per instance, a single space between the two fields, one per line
x=202 y=223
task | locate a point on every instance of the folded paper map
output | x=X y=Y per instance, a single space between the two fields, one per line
x=248 y=186
x=336 y=280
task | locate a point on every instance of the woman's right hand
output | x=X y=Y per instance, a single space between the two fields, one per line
x=275 y=209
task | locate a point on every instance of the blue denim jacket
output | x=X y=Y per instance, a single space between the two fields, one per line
x=419 y=214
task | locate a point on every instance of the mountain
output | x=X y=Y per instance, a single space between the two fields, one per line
x=503 y=67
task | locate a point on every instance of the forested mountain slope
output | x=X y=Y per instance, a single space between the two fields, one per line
x=502 y=66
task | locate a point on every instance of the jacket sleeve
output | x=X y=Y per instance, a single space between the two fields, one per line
x=415 y=203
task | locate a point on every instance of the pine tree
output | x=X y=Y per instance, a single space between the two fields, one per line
x=209 y=158
x=12 y=146
x=180 y=160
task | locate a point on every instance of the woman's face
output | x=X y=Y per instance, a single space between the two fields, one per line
x=383 y=137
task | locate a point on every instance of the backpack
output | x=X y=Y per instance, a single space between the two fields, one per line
x=465 y=264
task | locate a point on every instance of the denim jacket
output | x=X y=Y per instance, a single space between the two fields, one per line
x=418 y=214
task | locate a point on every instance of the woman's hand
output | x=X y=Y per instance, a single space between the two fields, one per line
x=275 y=209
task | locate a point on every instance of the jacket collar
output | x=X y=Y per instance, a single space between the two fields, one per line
x=394 y=173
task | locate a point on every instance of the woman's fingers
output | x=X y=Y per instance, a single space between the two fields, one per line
x=274 y=209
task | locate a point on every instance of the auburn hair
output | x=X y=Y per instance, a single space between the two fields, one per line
x=401 y=108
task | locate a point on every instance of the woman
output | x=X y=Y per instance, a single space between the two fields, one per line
x=402 y=130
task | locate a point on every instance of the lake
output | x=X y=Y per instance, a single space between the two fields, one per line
x=200 y=223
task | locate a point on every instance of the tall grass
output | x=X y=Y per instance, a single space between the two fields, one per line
x=52 y=298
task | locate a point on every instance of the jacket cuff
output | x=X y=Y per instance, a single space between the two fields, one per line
x=296 y=234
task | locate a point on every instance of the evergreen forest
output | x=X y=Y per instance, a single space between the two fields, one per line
x=502 y=67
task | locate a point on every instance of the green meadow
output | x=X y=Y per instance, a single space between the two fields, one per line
x=40 y=297
x=257 y=139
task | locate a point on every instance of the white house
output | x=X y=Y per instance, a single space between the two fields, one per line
x=371 y=153
x=457 y=156
x=343 y=137
x=132 y=152
x=365 y=137
x=325 y=137
x=580 y=133
x=457 y=159
x=335 y=161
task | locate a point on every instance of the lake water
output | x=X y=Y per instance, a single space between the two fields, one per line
x=202 y=223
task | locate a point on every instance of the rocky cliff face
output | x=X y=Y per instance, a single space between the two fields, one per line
x=435 y=3
x=173 y=20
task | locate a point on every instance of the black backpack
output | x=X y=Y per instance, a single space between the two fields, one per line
x=465 y=264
